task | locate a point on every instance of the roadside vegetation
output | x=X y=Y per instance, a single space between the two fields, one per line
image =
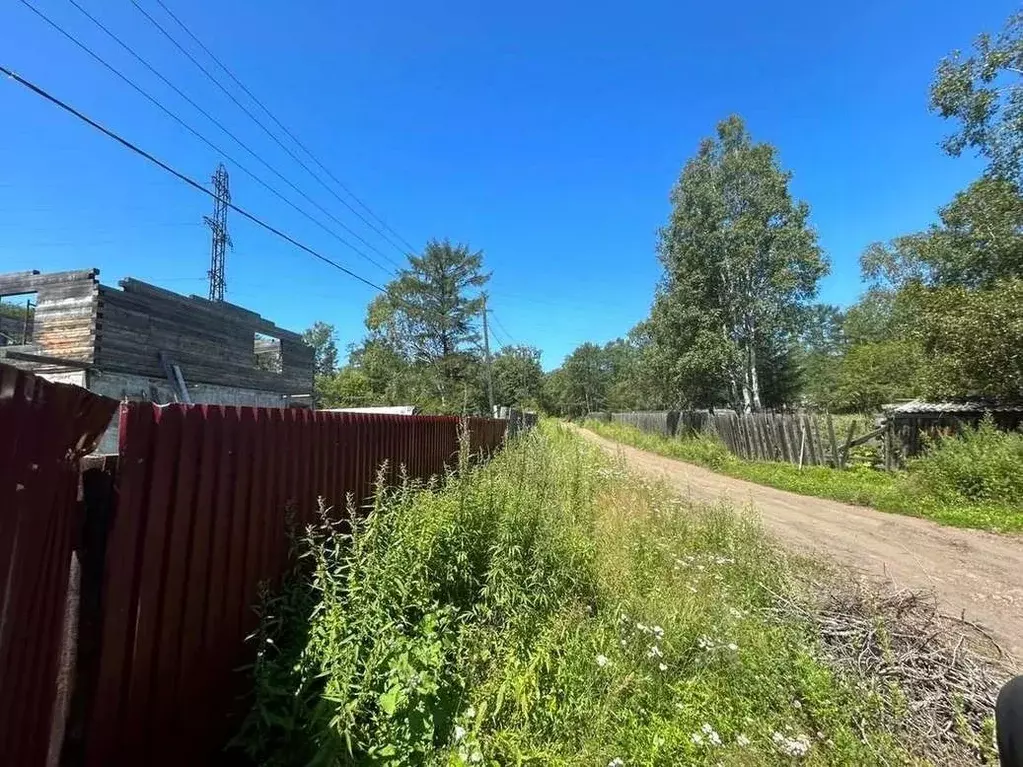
x=549 y=609
x=975 y=480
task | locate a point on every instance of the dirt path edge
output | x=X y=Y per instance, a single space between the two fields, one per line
x=973 y=574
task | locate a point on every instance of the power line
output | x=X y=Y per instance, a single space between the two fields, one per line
x=180 y=176
x=287 y=132
x=256 y=120
x=504 y=329
x=199 y=135
x=235 y=138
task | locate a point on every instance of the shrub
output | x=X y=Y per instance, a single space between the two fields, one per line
x=982 y=465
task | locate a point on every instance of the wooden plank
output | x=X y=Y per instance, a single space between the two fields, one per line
x=819 y=443
x=848 y=444
x=30 y=282
x=43 y=359
x=832 y=441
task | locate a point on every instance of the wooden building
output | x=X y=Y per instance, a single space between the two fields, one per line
x=143 y=342
x=910 y=421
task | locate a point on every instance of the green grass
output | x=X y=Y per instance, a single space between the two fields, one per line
x=975 y=482
x=548 y=609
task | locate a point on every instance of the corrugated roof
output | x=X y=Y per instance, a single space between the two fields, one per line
x=961 y=406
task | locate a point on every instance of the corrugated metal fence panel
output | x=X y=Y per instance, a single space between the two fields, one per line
x=44 y=430
x=204 y=495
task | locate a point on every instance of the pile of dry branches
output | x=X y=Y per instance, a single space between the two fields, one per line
x=937 y=663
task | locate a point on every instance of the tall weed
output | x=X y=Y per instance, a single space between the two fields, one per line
x=980 y=465
x=548 y=609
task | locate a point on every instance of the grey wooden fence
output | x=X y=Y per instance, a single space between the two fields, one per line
x=805 y=439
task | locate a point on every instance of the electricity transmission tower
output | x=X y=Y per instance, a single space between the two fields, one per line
x=220 y=239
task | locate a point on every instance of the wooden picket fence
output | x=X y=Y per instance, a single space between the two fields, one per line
x=804 y=439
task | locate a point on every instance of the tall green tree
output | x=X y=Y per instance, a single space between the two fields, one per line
x=586 y=376
x=741 y=262
x=978 y=240
x=518 y=376
x=323 y=338
x=983 y=94
x=428 y=317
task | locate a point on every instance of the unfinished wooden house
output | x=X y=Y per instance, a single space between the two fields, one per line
x=141 y=342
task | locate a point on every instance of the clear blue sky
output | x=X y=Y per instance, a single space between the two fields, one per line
x=547 y=134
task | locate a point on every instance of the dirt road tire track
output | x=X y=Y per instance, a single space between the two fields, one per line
x=972 y=573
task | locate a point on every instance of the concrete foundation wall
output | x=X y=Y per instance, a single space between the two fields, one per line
x=124 y=386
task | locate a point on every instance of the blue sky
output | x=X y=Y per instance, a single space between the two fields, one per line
x=546 y=134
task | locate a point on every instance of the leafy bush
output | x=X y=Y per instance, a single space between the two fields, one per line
x=982 y=465
x=546 y=609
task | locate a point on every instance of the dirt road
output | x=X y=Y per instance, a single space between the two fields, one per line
x=973 y=573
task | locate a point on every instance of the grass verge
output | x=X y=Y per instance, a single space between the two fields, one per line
x=549 y=609
x=928 y=489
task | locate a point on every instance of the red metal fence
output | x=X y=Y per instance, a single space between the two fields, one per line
x=200 y=521
x=44 y=429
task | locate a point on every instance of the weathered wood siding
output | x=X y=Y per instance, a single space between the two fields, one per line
x=64 y=324
x=212 y=342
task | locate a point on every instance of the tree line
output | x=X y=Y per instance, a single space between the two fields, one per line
x=734 y=320
x=423 y=344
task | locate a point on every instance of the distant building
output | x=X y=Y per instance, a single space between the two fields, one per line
x=141 y=342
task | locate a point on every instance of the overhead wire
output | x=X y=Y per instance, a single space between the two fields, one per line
x=255 y=119
x=284 y=128
x=235 y=138
x=199 y=135
x=181 y=176
x=504 y=329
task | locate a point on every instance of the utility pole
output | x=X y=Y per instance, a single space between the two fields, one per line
x=486 y=352
x=219 y=237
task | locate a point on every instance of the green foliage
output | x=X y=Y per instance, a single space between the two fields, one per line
x=423 y=342
x=896 y=492
x=873 y=374
x=971 y=339
x=980 y=466
x=347 y=387
x=740 y=261
x=982 y=94
x=978 y=241
x=322 y=337
x=518 y=377
x=548 y=610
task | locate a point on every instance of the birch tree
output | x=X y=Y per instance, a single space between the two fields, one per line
x=741 y=263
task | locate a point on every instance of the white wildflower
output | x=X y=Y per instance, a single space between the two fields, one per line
x=602 y=660
x=796 y=704
x=704 y=642
x=459 y=732
x=658 y=632
x=658 y=741
x=475 y=757
x=470 y=713
x=654 y=652
x=742 y=741
x=692 y=589
x=662 y=667
x=616 y=762
x=734 y=612
x=697 y=738
x=798 y=746
x=641 y=627
x=624 y=642
x=733 y=646
x=623 y=618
